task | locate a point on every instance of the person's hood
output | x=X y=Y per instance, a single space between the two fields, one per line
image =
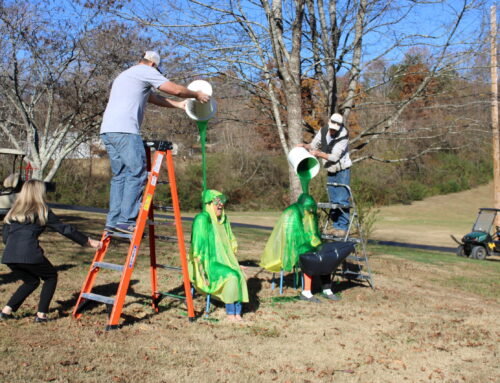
x=208 y=196
x=306 y=203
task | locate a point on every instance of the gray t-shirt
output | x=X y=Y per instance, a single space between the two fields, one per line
x=128 y=98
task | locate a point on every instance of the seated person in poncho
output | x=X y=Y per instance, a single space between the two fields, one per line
x=295 y=233
x=213 y=267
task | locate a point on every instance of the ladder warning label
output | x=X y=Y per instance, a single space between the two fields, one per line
x=158 y=161
x=132 y=258
x=147 y=202
x=153 y=180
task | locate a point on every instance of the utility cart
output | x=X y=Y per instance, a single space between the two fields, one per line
x=481 y=241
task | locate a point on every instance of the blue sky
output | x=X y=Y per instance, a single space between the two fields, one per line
x=430 y=18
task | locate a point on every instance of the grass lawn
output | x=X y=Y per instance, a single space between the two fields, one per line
x=433 y=317
x=431 y=221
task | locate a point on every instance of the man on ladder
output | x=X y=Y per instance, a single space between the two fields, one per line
x=331 y=144
x=120 y=134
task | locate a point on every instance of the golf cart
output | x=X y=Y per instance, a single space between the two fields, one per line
x=479 y=243
x=13 y=181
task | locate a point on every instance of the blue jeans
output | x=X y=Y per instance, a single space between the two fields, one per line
x=128 y=166
x=339 y=195
x=233 y=308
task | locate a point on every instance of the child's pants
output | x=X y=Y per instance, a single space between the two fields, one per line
x=31 y=274
x=233 y=308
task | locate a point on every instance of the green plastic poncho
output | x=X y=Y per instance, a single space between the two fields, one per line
x=213 y=267
x=295 y=233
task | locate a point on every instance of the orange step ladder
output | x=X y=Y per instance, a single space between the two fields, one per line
x=145 y=217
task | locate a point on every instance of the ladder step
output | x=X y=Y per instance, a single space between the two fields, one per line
x=99 y=298
x=356 y=258
x=328 y=205
x=173 y=295
x=163 y=182
x=110 y=266
x=166 y=238
x=163 y=208
x=118 y=235
x=160 y=223
x=169 y=267
x=333 y=237
x=159 y=145
x=353 y=275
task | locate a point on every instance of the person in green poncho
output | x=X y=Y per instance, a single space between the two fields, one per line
x=213 y=267
x=295 y=233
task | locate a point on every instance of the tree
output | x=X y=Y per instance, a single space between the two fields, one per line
x=57 y=64
x=273 y=46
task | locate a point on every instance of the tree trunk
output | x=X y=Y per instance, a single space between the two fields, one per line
x=294 y=104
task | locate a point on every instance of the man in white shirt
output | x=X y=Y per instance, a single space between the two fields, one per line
x=120 y=133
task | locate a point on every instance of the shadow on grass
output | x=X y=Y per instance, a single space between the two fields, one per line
x=249 y=263
x=176 y=296
x=72 y=218
x=254 y=286
x=339 y=286
x=290 y=282
x=65 y=307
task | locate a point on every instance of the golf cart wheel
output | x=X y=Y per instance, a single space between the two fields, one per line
x=461 y=251
x=478 y=252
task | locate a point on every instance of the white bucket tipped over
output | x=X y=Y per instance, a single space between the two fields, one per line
x=304 y=163
x=201 y=111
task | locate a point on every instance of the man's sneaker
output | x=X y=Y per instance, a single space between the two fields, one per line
x=313 y=299
x=41 y=320
x=332 y=297
x=124 y=228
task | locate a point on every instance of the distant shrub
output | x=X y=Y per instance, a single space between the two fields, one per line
x=416 y=191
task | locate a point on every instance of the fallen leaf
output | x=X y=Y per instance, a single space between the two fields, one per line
x=349 y=371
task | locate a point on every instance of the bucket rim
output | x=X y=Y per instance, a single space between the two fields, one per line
x=192 y=116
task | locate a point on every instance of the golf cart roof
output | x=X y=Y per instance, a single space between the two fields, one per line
x=485 y=219
x=12 y=151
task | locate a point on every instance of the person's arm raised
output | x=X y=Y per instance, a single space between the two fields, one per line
x=181 y=91
x=156 y=99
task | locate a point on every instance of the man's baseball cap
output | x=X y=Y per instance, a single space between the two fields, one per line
x=153 y=57
x=336 y=121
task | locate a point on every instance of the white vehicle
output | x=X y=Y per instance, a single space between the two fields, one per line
x=13 y=181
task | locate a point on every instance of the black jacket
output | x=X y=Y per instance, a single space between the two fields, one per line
x=21 y=239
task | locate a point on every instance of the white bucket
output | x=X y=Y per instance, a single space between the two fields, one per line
x=304 y=163
x=201 y=111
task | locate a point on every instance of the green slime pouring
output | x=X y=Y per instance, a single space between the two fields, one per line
x=202 y=127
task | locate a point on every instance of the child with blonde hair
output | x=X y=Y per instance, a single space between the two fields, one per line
x=23 y=224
